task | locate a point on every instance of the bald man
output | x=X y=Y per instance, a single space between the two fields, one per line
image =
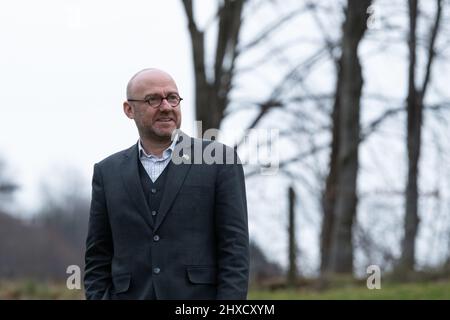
x=164 y=223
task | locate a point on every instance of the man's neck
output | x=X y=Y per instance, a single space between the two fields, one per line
x=155 y=147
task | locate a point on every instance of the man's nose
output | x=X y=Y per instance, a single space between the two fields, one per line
x=165 y=104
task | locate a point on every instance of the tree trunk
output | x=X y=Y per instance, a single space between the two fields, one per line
x=344 y=211
x=292 y=272
x=414 y=124
x=329 y=195
x=415 y=106
x=212 y=95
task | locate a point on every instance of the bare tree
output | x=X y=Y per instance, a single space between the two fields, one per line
x=212 y=94
x=341 y=200
x=415 y=107
x=292 y=271
x=7 y=185
x=212 y=89
x=65 y=208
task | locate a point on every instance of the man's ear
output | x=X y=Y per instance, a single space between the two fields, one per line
x=128 y=109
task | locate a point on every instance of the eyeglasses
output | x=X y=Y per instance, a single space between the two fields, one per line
x=155 y=100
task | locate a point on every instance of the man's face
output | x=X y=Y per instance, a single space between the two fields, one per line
x=153 y=122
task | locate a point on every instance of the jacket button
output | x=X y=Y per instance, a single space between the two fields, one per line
x=156 y=270
x=155 y=237
x=153 y=190
x=153 y=213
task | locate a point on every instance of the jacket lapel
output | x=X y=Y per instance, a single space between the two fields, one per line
x=174 y=180
x=132 y=181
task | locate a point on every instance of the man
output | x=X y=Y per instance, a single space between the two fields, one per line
x=164 y=225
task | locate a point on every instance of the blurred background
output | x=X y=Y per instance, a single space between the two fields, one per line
x=356 y=90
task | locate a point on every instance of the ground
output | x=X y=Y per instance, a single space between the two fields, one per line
x=28 y=289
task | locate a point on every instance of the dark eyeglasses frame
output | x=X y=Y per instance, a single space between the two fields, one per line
x=162 y=99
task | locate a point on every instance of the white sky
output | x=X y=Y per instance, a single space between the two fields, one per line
x=64 y=67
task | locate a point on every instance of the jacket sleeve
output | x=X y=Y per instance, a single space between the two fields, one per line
x=231 y=224
x=99 y=245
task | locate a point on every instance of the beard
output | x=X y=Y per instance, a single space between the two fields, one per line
x=162 y=133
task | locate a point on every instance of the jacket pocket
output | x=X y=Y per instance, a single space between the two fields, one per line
x=121 y=282
x=202 y=274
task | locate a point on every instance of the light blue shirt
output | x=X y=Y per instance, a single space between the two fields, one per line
x=154 y=165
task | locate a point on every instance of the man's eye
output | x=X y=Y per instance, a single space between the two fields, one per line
x=154 y=99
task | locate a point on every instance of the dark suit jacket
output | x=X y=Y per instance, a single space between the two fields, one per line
x=202 y=251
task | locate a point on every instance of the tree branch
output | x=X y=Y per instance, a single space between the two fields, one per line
x=298 y=157
x=273 y=27
x=431 y=50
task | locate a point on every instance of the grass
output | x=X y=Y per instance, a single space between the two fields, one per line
x=31 y=289
x=433 y=290
x=436 y=290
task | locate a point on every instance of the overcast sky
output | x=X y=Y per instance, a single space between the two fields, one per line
x=64 y=68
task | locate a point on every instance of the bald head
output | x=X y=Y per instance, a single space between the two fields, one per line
x=154 y=123
x=146 y=75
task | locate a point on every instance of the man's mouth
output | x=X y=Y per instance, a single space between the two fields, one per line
x=164 y=119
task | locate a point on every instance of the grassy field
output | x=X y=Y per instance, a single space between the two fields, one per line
x=28 y=289
x=390 y=291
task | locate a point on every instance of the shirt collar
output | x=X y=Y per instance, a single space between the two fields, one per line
x=166 y=153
